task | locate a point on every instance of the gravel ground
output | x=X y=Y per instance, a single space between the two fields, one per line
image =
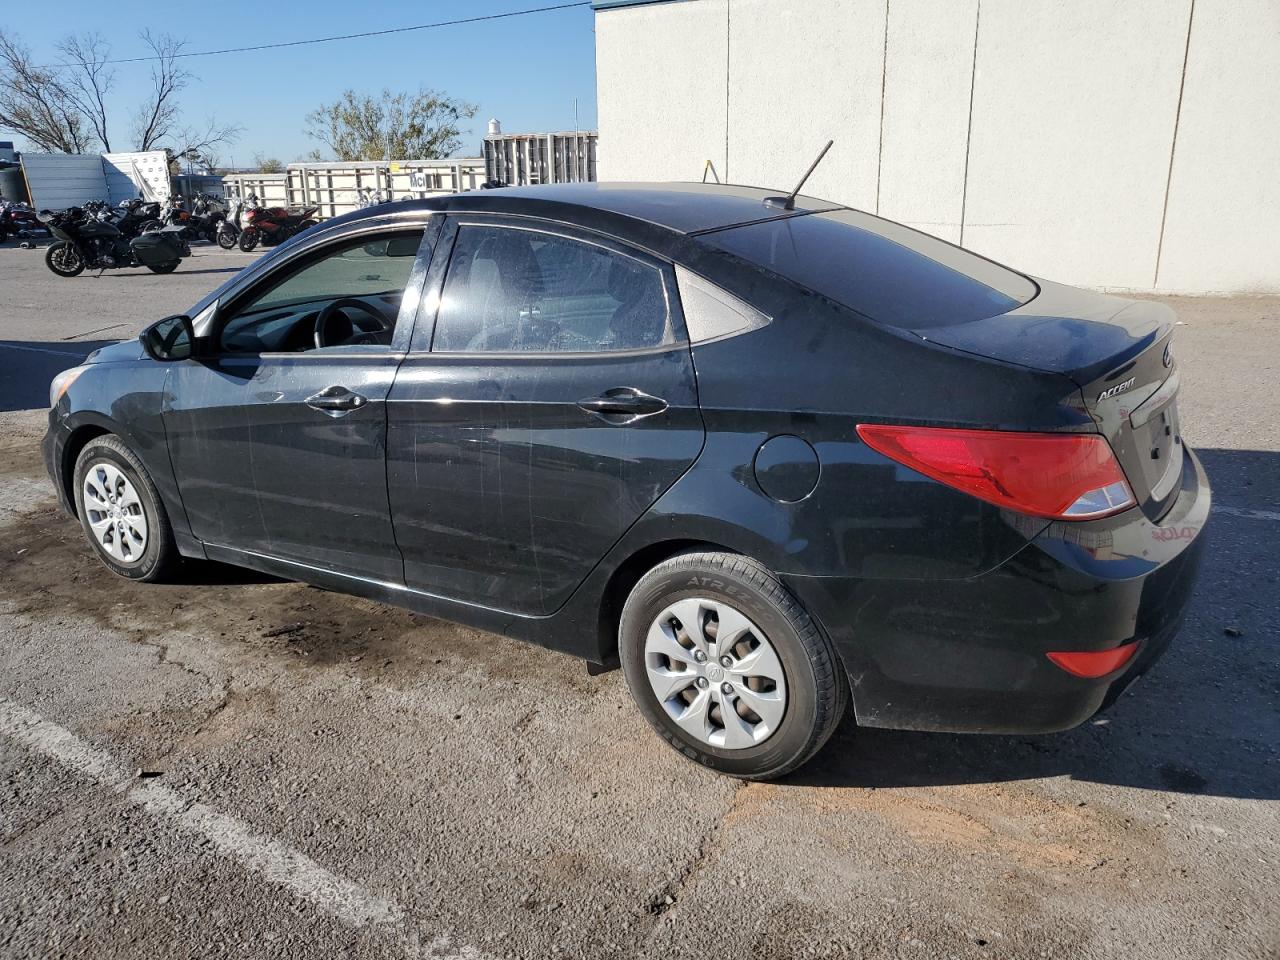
x=239 y=766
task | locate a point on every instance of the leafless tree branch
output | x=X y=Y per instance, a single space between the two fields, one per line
x=35 y=103
x=89 y=80
x=156 y=121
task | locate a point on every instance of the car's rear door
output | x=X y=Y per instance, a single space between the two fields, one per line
x=279 y=444
x=554 y=404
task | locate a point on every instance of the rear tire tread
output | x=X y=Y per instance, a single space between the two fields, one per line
x=831 y=684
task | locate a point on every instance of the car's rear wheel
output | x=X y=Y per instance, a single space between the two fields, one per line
x=728 y=667
x=121 y=512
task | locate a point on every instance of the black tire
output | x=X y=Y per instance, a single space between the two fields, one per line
x=159 y=557
x=64 y=259
x=226 y=240
x=248 y=239
x=164 y=267
x=817 y=688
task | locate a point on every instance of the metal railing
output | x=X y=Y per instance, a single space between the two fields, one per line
x=336 y=187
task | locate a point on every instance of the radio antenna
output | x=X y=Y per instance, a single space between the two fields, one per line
x=789 y=202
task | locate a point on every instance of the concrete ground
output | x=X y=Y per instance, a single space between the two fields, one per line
x=237 y=766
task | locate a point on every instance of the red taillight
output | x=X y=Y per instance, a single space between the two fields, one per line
x=1096 y=663
x=1063 y=476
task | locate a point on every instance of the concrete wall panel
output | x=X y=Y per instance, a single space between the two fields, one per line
x=1222 y=232
x=1067 y=149
x=1073 y=115
x=926 y=113
x=801 y=74
x=661 y=76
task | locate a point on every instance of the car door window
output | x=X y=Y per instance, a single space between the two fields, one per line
x=367 y=274
x=517 y=290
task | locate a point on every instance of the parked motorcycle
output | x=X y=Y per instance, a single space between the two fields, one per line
x=274 y=225
x=132 y=218
x=85 y=240
x=199 y=223
x=230 y=228
x=17 y=219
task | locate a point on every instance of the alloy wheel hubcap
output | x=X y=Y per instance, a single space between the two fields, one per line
x=715 y=673
x=115 y=513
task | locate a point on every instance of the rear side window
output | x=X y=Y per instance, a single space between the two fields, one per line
x=885 y=271
x=517 y=290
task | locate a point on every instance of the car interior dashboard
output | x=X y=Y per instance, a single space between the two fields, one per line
x=292 y=328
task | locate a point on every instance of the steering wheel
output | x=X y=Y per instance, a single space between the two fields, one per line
x=334 y=327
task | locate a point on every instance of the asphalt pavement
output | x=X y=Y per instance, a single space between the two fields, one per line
x=236 y=766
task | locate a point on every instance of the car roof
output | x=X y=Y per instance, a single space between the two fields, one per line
x=682 y=208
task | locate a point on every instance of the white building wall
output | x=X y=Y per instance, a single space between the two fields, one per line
x=1222 y=231
x=1073 y=114
x=661 y=89
x=1041 y=133
x=766 y=134
x=922 y=164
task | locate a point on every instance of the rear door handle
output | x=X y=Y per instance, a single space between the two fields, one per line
x=624 y=401
x=336 y=401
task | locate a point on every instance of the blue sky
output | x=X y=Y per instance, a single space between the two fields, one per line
x=526 y=71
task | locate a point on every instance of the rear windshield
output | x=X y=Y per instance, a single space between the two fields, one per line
x=885 y=271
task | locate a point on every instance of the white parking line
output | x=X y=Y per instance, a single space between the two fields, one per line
x=1247 y=514
x=57 y=353
x=348 y=902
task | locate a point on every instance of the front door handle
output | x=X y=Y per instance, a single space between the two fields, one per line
x=336 y=401
x=624 y=401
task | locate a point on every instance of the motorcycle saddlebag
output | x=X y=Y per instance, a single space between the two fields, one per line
x=156 y=249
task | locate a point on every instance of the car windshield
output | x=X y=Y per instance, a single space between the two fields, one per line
x=883 y=270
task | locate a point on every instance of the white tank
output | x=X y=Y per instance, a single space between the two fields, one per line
x=495 y=128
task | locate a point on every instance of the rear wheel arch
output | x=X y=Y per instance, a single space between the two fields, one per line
x=627 y=574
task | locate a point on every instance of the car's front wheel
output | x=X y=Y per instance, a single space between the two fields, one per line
x=121 y=512
x=728 y=667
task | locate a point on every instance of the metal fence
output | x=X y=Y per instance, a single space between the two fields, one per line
x=335 y=188
x=516 y=159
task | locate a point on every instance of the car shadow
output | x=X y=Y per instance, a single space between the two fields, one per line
x=1204 y=720
x=210 y=573
x=27 y=366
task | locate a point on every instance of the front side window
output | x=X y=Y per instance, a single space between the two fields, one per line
x=347 y=296
x=515 y=290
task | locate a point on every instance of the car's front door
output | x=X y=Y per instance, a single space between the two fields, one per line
x=554 y=405
x=277 y=429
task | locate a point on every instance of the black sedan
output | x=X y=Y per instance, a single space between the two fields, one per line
x=768 y=460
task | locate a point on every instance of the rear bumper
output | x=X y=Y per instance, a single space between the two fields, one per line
x=970 y=655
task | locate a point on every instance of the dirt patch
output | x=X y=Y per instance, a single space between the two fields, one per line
x=46 y=568
x=20 y=455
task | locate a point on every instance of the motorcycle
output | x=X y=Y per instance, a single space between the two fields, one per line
x=19 y=220
x=201 y=222
x=86 y=240
x=274 y=225
x=230 y=228
x=132 y=218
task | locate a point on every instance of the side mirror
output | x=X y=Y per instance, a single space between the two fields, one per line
x=169 y=339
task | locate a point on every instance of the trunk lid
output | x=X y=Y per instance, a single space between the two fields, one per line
x=1117 y=352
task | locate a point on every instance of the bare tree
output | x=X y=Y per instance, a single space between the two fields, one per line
x=35 y=103
x=400 y=126
x=156 y=121
x=88 y=79
x=202 y=140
